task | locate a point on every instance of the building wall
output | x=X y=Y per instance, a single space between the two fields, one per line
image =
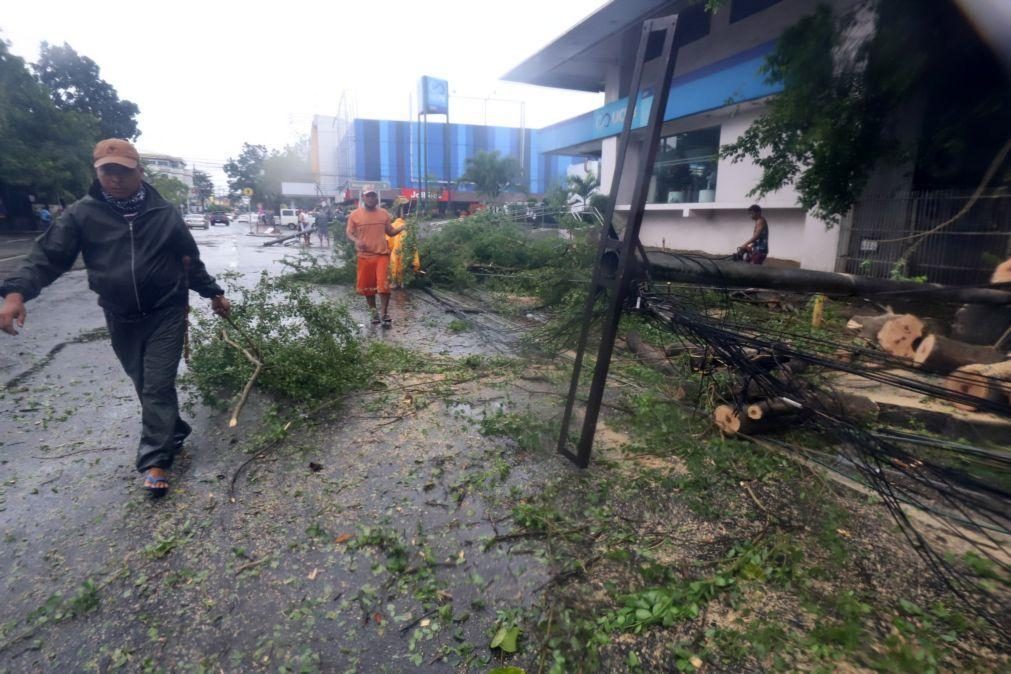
x=719 y=227
x=388 y=150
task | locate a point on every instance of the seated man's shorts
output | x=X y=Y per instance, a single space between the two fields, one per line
x=373 y=274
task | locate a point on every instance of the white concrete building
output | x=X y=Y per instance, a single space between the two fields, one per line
x=697 y=201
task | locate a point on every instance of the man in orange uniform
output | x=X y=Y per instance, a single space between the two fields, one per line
x=368 y=227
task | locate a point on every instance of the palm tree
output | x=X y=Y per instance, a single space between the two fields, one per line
x=581 y=188
x=491 y=174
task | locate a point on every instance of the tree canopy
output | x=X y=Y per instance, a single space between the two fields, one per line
x=247 y=170
x=44 y=148
x=175 y=191
x=204 y=186
x=491 y=174
x=75 y=84
x=264 y=171
x=845 y=100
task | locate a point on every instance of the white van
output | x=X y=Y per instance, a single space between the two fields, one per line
x=289 y=218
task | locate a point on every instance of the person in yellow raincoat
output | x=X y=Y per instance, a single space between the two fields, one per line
x=396 y=244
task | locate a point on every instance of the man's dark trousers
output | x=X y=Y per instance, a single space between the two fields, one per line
x=149 y=348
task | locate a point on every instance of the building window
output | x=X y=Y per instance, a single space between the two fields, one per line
x=685 y=168
x=742 y=9
x=693 y=24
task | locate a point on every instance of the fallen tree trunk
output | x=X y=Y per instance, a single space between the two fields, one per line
x=731 y=422
x=942 y=355
x=979 y=324
x=901 y=335
x=846 y=407
x=771 y=407
x=725 y=274
x=649 y=355
x=869 y=326
x=987 y=382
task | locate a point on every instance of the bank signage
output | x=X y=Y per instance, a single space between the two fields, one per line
x=434 y=96
x=608 y=120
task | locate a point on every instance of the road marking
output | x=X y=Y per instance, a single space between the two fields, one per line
x=15 y=257
x=15 y=240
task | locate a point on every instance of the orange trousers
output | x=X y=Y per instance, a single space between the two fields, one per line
x=373 y=274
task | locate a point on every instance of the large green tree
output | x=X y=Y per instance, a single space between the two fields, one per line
x=247 y=170
x=42 y=148
x=853 y=82
x=491 y=174
x=75 y=84
x=288 y=165
x=173 y=190
x=204 y=186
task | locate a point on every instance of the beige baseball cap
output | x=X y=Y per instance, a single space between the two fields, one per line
x=116 y=151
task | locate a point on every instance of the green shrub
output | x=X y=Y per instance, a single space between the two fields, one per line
x=309 y=349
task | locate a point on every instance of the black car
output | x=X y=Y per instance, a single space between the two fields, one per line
x=219 y=219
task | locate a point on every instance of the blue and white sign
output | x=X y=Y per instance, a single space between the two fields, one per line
x=434 y=96
x=608 y=120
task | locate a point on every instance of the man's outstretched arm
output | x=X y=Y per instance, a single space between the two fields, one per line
x=51 y=255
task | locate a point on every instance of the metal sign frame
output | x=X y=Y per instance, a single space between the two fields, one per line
x=616 y=269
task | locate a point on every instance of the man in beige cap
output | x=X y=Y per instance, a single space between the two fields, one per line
x=368 y=226
x=142 y=261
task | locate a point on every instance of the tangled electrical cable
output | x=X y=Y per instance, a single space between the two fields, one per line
x=963 y=487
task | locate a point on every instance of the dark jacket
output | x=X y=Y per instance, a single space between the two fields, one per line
x=134 y=267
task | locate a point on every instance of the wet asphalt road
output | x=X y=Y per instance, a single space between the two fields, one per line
x=72 y=515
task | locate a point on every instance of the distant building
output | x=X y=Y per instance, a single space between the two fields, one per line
x=174 y=167
x=386 y=153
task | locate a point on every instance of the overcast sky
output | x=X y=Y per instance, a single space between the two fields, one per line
x=209 y=75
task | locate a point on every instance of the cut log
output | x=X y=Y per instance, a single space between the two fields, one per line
x=942 y=355
x=901 y=335
x=986 y=382
x=869 y=326
x=847 y=407
x=772 y=407
x=1002 y=274
x=648 y=354
x=979 y=324
x=730 y=422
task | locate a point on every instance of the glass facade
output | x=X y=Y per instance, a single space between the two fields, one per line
x=685 y=168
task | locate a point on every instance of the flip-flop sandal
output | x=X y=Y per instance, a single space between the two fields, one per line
x=387 y=322
x=375 y=320
x=151 y=484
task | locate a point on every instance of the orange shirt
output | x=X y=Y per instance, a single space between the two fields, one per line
x=369 y=229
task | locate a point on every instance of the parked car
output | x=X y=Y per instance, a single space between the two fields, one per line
x=219 y=218
x=196 y=221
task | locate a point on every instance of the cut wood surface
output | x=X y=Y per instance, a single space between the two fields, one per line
x=770 y=407
x=1002 y=274
x=943 y=355
x=987 y=382
x=869 y=326
x=730 y=422
x=901 y=335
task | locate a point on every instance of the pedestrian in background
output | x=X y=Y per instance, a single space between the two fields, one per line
x=757 y=247
x=368 y=226
x=323 y=228
x=45 y=217
x=142 y=261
